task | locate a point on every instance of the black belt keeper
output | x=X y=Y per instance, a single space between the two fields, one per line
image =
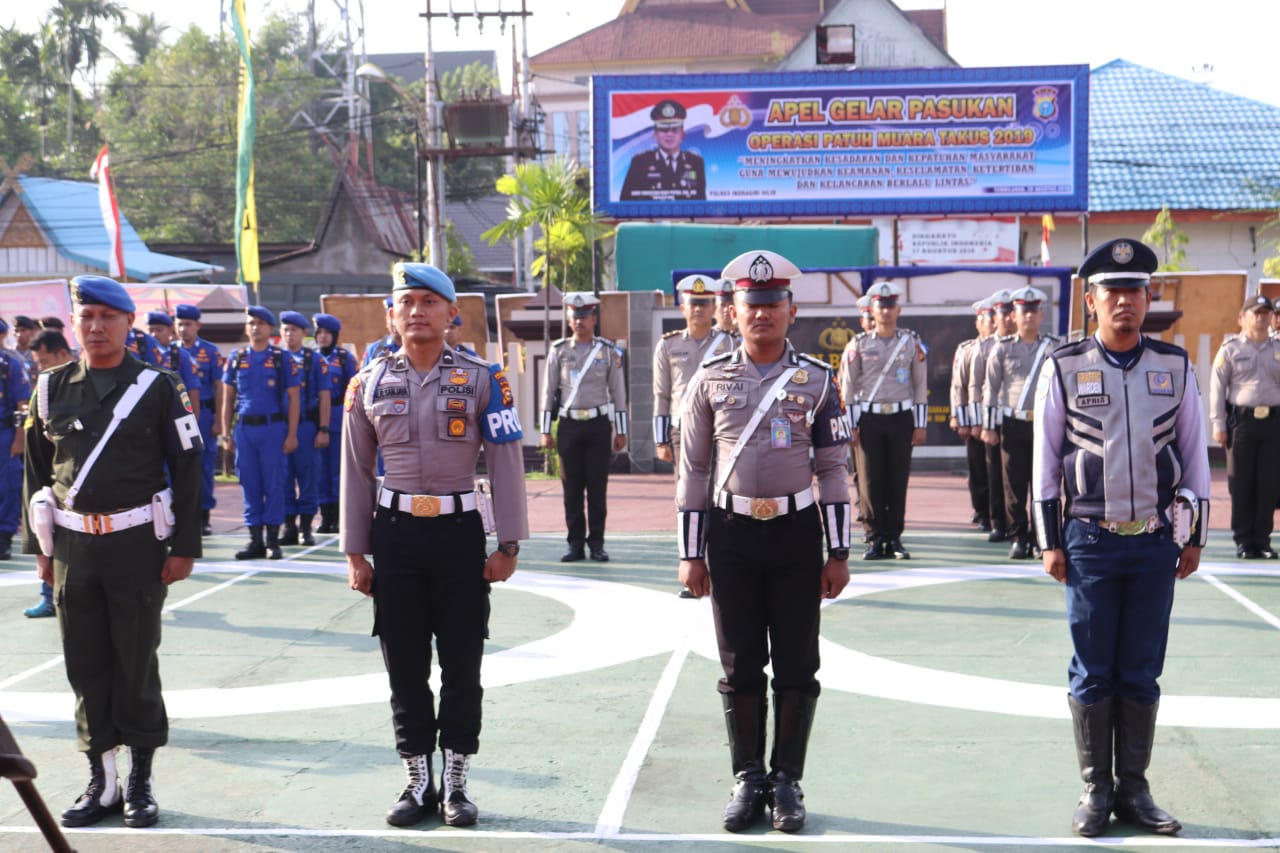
x=791 y=504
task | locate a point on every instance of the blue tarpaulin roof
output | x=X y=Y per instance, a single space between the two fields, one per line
x=68 y=214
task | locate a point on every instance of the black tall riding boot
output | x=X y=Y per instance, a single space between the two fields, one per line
x=792 y=722
x=140 y=807
x=289 y=536
x=744 y=718
x=1092 y=725
x=304 y=530
x=273 y=543
x=255 y=550
x=1135 y=734
x=102 y=797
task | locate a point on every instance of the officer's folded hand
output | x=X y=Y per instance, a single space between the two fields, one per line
x=290 y=443
x=918 y=437
x=176 y=569
x=322 y=440
x=360 y=573
x=664 y=453
x=835 y=577
x=619 y=443
x=694 y=577
x=499 y=567
x=1055 y=564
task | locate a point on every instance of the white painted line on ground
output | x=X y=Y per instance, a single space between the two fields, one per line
x=35 y=670
x=1244 y=601
x=191 y=599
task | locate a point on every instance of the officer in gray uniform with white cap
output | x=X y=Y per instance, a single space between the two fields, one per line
x=883 y=378
x=429 y=410
x=1003 y=324
x=1009 y=398
x=759 y=423
x=583 y=387
x=966 y=425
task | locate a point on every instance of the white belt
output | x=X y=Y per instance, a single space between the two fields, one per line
x=426 y=506
x=886 y=408
x=585 y=414
x=99 y=523
x=764 y=508
x=1019 y=414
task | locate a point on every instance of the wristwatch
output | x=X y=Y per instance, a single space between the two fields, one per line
x=509 y=548
x=838 y=553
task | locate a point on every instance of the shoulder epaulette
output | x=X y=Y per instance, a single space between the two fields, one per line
x=671 y=334
x=1006 y=338
x=724 y=356
x=474 y=358
x=1164 y=347
x=816 y=362
x=561 y=342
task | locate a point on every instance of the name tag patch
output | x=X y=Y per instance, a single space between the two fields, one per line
x=383 y=392
x=1092 y=401
x=1089 y=383
x=1160 y=382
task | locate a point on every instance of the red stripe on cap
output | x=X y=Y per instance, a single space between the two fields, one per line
x=752 y=284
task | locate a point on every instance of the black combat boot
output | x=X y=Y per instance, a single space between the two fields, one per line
x=255 y=550
x=6 y=546
x=418 y=799
x=1093 y=725
x=328 y=519
x=457 y=806
x=1135 y=733
x=102 y=797
x=289 y=536
x=744 y=718
x=273 y=543
x=304 y=530
x=792 y=722
x=206 y=529
x=140 y=807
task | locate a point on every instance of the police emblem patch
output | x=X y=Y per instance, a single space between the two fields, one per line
x=1122 y=252
x=353 y=391
x=801 y=376
x=457 y=376
x=399 y=407
x=1089 y=382
x=455 y=404
x=457 y=427
x=1160 y=383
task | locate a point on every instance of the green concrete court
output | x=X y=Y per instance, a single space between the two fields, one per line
x=942 y=724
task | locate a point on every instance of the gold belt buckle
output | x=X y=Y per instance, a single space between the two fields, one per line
x=1261 y=412
x=1131 y=528
x=425 y=506
x=764 y=508
x=1031 y=415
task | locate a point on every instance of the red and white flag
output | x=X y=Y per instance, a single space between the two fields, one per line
x=101 y=172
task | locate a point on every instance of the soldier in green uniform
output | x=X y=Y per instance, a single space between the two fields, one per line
x=110 y=536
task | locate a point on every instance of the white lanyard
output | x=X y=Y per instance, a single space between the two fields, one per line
x=1033 y=375
x=888 y=362
x=577 y=381
x=765 y=403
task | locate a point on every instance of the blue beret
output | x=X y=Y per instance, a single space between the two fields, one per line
x=159 y=318
x=408 y=276
x=328 y=322
x=4 y=327
x=390 y=301
x=457 y=320
x=186 y=312
x=1119 y=263
x=100 y=290
x=295 y=318
x=262 y=314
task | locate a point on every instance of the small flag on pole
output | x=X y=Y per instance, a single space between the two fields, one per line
x=1046 y=228
x=101 y=172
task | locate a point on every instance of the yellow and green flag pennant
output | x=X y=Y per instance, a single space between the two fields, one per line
x=246 y=207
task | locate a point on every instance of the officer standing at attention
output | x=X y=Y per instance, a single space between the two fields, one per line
x=109 y=434
x=24 y=329
x=1119 y=427
x=882 y=377
x=430 y=409
x=208 y=362
x=342 y=368
x=1008 y=393
x=1003 y=324
x=763 y=420
x=1244 y=409
x=583 y=386
x=260 y=386
x=866 y=316
x=302 y=466
x=962 y=416
x=1275 y=317
x=665 y=173
x=14 y=392
x=726 y=327
x=173 y=357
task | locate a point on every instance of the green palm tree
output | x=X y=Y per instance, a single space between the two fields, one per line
x=74 y=40
x=144 y=36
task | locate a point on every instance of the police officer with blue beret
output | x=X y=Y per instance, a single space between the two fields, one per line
x=1119 y=428
x=260 y=387
x=106 y=436
x=666 y=173
x=14 y=392
x=342 y=369
x=302 y=466
x=172 y=355
x=208 y=365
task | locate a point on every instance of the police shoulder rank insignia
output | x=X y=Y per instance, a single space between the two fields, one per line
x=1160 y=382
x=353 y=391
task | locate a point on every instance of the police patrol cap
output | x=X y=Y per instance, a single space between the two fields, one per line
x=295 y=318
x=1002 y=301
x=884 y=291
x=100 y=290
x=581 y=303
x=983 y=306
x=22 y=321
x=761 y=277
x=1257 y=302
x=667 y=113
x=1119 y=263
x=1028 y=296
x=159 y=318
x=725 y=287
x=417 y=276
x=52 y=323
x=698 y=287
x=328 y=322
x=864 y=304
x=258 y=312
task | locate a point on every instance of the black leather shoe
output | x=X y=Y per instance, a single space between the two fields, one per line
x=984 y=526
x=1245 y=552
x=140 y=808
x=289 y=535
x=600 y=555
x=975 y=518
x=895 y=549
x=685 y=593
x=1019 y=550
x=786 y=803
x=997 y=534
x=874 y=551
x=1266 y=553
x=573 y=555
x=206 y=529
x=101 y=798
x=746 y=803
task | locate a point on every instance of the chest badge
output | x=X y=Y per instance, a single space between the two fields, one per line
x=800 y=377
x=457 y=376
x=1160 y=383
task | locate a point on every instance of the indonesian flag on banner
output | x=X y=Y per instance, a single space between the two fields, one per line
x=1046 y=228
x=101 y=172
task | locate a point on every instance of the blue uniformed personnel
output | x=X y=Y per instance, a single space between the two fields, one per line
x=144 y=347
x=666 y=173
x=388 y=344
x=342 y=368
x=260 y=388
x=302 y=466
x=15 y=390
x=1119 y=429
x=208 y=363
x=24 y=329
x=173 y=356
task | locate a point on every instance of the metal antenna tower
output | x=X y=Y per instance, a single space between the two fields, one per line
x=338 y=58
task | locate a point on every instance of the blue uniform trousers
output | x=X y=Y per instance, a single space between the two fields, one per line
x=330 y=461
x=1119 y=595
x=10 y=482
x=208 y=458
x=260 y=466
x=302 y=467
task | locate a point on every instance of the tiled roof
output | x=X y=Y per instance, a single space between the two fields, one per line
x=1156 y=139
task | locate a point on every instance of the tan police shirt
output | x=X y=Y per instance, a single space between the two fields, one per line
x=961 y=361
x=900 y=359
x=602 y=383
x=676 y=358
x=1010 y=364
x=1244 y=374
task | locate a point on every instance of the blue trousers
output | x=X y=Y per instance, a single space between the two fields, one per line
x=327 y=491
x=302 y=469
x=208 y=459
x=1119 y=596
x=10 y=484
x=260 y=467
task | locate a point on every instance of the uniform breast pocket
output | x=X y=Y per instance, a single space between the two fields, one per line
x=727 y=405
x=455 y=418
x=391 y=420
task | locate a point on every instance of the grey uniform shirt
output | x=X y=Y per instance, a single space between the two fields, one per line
x=676 y=358
x=960 y=364
x=1010 y=365
x=978 y=356
x=602 y=380
x=1244 y=374
x=870 y=356
x=430 y=429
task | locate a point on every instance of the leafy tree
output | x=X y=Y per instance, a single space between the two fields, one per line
x=1170 y=241
x=144 y=35
x=73 y=41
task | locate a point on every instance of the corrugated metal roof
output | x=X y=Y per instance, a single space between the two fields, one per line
x=68 y=214
x=1156 y=139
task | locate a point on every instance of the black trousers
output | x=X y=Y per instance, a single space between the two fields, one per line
x=884 y=463
x=585 y=448
x=1253 y=478
x=766 y=584
x=979 y=493
x=429 y=582
x=109 y=597
x=995 y=486
x=1016 y=439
